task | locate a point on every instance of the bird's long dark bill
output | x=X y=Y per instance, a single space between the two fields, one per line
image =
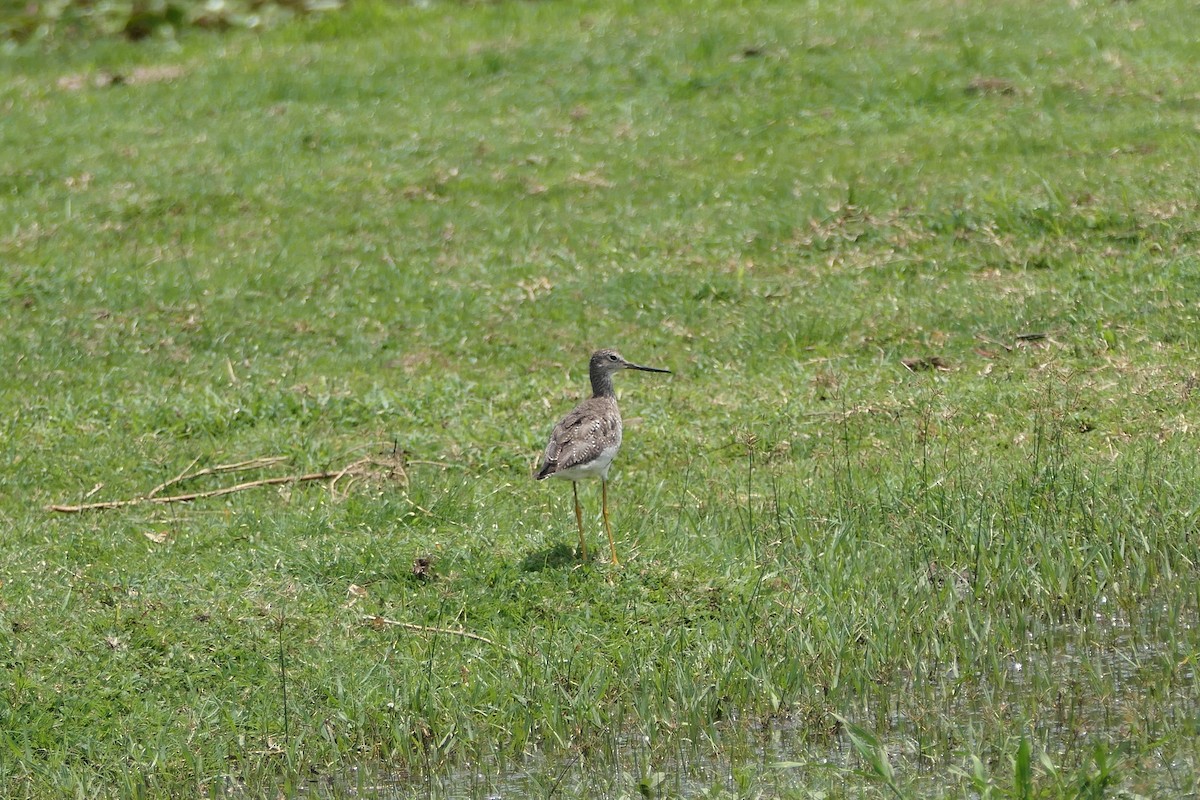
x=648 y=369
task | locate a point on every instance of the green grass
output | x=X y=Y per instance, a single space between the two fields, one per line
x=54 y=24
x=406 y=228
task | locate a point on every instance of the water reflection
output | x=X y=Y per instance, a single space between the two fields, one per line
x=730 y=763
x=1112 y=679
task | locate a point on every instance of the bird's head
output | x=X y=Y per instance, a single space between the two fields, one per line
x=612 y=361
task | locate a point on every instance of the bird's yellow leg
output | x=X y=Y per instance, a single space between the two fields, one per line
x=604 y=494
x=579 y=520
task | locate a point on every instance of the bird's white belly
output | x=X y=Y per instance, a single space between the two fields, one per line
x=596 y=468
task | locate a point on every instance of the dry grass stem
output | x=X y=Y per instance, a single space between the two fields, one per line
x=391 y=469
x=377 y=620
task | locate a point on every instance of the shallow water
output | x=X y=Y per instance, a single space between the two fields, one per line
x=1105 y=680
x=764 y=761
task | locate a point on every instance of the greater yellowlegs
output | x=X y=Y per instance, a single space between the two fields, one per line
x=585 y=442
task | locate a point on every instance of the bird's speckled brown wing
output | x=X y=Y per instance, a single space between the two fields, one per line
x=581 y=435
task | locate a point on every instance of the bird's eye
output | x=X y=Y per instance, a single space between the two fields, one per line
x=611 y=357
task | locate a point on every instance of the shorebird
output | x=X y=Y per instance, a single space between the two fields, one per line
x=585 y=442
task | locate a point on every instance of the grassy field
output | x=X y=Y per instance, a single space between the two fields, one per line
x=915 y=515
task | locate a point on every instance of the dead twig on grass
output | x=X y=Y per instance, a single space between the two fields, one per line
x=184 y=498
x=377 y=620
x=362 y=468
x=241 y=466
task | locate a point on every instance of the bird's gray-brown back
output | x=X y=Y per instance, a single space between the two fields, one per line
x=582 y=435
